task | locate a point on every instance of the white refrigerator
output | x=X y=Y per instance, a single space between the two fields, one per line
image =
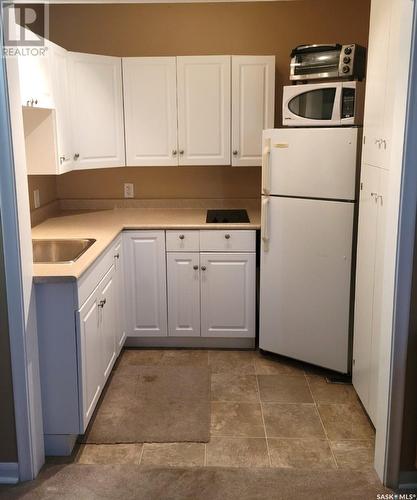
x=308 y=202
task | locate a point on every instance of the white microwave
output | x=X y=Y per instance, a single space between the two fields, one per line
x=320 y=105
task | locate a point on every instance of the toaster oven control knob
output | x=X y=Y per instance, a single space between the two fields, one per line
x=346 y=59
x=346 y=69
x=348 y=50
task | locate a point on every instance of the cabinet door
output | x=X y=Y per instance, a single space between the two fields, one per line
x=88 y=319
x=374 y=150
x=183 y=273
x=120 y=296
x=145 y=274
x=227 y=294
x=377 y=296
x=204 y=110
x=60 y=86
x=150 y=103
x=97 y=111
x=365 y=274
x=108 y=316
x=253 y=105
x=35 y=80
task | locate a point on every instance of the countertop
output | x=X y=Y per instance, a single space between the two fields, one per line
x=105 y=225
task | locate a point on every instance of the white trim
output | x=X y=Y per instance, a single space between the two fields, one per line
x=403 y=282
x=9 y=473
x=14 y=206
x=399 y=218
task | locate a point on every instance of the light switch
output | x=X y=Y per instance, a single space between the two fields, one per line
x=36 y=198
x=129 y=190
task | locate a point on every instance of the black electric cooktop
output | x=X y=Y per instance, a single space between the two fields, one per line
x=227 y=216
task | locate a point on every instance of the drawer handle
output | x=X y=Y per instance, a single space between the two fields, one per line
x=227 y=236
x=181 y=236
x=195 y=267
x=203 y=268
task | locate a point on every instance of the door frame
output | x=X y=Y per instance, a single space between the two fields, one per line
x=16 y=228
x=393 y=372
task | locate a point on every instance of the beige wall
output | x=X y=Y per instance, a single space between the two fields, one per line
x=162 y=182
x=185 y=29
x=47 y=188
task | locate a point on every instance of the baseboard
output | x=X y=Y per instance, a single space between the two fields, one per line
x=192 y=342
x=9 y=472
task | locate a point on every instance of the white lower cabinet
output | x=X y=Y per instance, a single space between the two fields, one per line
x=88 y=319
x=119 y=286
x=107 y=319
x=79 y=335
x=369 y=285
x=145 y=272
x=212 y=294
x=183 y=273
x=228 y=294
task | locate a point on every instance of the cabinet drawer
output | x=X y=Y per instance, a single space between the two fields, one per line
x=227 y=241
x=182 y=241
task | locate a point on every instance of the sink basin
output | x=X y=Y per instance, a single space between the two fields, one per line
x=59 y=251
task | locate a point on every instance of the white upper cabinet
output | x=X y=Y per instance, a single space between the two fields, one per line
x=150 y=102
x=253 y=105
x=60 y=88
x=35 y=80
x=203 y=110
x=376 y=128
x=97 y=111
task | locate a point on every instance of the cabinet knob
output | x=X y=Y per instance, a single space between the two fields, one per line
x=117 y=256
x=235 y=152
x=203 y=268
x=36 y=101
x=61 y=159
x=227 y=236
x=195 y=267
x=181 y=236
x=174 y=152
x=102 y=303
x=375 y=195
x=76 y=156
x=181 y=151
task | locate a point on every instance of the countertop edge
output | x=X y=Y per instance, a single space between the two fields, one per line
x=73 y=277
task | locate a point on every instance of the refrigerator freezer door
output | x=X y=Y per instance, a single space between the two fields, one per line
x=305 y=281
x=312 y=162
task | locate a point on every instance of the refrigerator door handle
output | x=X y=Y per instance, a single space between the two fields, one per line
x=265 y=222
x=266 y=168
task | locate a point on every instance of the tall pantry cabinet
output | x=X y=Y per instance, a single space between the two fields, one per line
x=372 y=203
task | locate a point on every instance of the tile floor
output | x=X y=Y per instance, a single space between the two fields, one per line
x=265 y=412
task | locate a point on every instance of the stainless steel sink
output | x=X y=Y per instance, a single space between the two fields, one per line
x=59 y=251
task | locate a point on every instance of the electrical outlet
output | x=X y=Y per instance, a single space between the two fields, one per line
x=129 y=190
x=36 y=198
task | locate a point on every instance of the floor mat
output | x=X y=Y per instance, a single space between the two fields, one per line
x=160 y=404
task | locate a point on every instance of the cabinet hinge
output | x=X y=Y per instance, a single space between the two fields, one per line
x=364 y=139
x=361 y=186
